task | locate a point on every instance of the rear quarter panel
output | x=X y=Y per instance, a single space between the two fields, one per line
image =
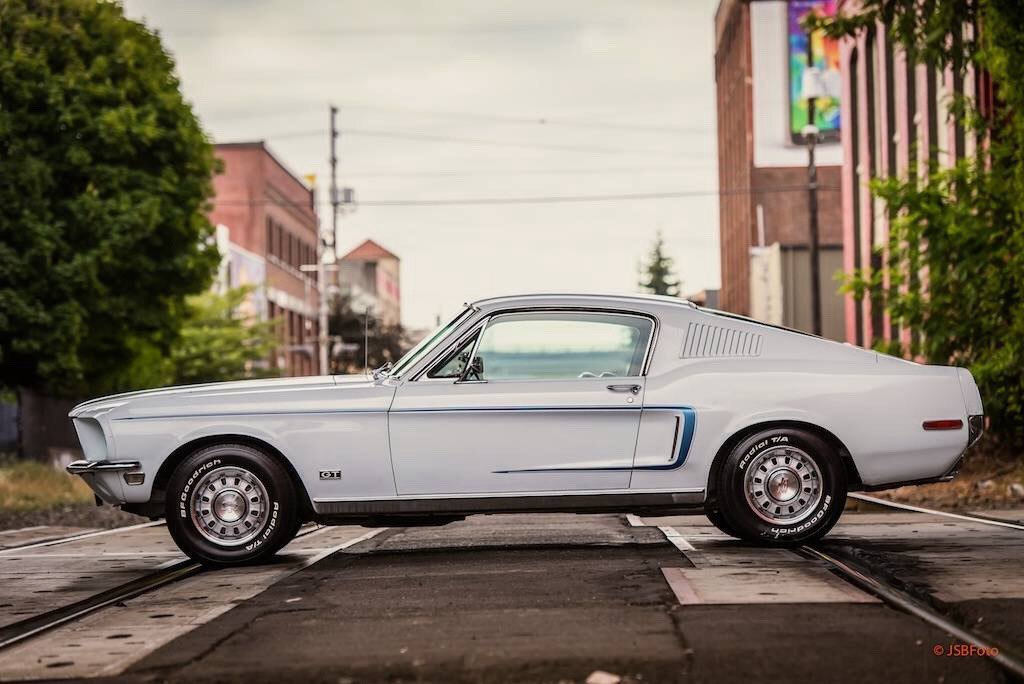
x=875 y=405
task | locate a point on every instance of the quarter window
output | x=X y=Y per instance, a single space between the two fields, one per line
x=563 y=345
x=454 y=364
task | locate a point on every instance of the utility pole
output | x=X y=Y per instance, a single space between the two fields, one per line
x=812 y=87
x=335 y=202
x=811 y=136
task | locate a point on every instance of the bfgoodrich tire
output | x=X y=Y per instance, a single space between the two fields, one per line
x=781 y=487
x=231 y=504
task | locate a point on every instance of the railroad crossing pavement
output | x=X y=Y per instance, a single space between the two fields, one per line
x=550 y=598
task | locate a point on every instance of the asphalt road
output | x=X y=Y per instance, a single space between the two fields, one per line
x=553 y=598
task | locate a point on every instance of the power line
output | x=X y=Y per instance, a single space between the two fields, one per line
x=482 y=116
x=536 y=120
x=520 y=172
x=430 y=137
x=549 y=199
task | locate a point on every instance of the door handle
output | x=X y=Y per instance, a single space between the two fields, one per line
x=633 y=389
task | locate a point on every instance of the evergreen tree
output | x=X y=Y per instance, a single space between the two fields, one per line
x=658 y=277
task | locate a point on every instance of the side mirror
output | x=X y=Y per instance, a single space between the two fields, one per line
x=475 y=370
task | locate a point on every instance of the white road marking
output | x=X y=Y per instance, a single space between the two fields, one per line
x=672 y=534
x=76 y=537
x=635 y=521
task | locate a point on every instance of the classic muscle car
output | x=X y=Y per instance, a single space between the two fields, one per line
x=570 y=403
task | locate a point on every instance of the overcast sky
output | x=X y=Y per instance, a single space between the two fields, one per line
x=471 y=99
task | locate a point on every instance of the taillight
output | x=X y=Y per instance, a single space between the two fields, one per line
x=951 y=424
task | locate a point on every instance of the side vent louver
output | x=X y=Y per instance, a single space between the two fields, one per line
x=706 y=341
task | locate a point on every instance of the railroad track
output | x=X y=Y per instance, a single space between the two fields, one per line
x=27 y=628
x=853 y=570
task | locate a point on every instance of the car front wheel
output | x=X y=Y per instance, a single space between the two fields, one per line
x=230 y=504
x=781 y=486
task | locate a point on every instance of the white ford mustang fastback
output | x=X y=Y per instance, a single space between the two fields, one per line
x=538 y=403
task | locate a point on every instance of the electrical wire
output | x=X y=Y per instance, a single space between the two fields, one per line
x=487 y=142
x=545 y=199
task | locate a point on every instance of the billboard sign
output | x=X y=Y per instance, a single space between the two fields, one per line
x=815 y=49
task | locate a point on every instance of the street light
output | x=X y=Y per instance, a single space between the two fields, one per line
x=812 y=87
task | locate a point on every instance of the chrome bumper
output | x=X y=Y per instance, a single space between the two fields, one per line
x=82 y=466
x=975 y=429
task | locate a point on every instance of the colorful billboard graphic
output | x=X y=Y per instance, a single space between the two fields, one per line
x=823 y=53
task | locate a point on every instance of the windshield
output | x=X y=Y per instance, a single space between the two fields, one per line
x=427 y=343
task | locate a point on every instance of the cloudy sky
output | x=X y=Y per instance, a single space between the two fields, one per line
x=456 y=101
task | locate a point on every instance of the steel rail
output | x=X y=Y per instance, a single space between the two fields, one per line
x=970 y=517
x=856 y=574
x=75 y=537
x=17 y=632
x=29 y=627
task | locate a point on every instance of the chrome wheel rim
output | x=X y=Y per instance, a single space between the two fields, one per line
x=229 y=506
x=783 y=485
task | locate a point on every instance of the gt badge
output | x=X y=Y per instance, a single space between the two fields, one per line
x=330 y=474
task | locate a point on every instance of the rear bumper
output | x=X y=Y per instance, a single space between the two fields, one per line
x=975 y=429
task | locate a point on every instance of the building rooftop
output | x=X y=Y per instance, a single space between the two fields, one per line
x=369 y=251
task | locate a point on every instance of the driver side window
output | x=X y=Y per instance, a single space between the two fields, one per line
x=563 y=345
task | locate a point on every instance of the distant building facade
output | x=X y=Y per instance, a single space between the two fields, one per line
x=371 y=276
x=267 y=229
x=898 y=114
x=760 y=52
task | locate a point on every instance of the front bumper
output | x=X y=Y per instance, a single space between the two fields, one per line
x=81 y=467
x=109 y=478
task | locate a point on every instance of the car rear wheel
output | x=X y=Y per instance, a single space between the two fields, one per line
x=781 y=486
x=231 y=504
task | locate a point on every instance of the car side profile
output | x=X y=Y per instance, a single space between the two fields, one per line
x=543 y=403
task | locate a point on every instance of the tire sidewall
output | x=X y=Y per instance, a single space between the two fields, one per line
x=749 y=525
x=282 y=518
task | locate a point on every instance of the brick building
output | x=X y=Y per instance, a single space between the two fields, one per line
x=266 y=216
x=762 y=167
x=898 y=121
x=371 y=274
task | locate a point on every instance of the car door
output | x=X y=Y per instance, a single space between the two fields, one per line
x=555 y=407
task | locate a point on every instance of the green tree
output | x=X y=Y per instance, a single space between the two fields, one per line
x=104 y=182
x=658 y=277
x=386 y=342
x=218 y=341
x=954 y=259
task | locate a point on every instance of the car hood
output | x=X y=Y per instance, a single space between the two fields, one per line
x=188 y=393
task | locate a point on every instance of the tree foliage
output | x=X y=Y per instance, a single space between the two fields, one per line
x=217 y=342
x=658 y=277
x=953 y=269
x=386 y=342
x=104 y=179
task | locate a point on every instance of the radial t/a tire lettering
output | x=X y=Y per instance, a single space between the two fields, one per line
x=782 y=487
x=231 y=504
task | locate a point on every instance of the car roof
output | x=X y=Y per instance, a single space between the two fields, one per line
x=564 y=298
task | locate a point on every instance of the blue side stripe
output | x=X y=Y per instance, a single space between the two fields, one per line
x=686 y=440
